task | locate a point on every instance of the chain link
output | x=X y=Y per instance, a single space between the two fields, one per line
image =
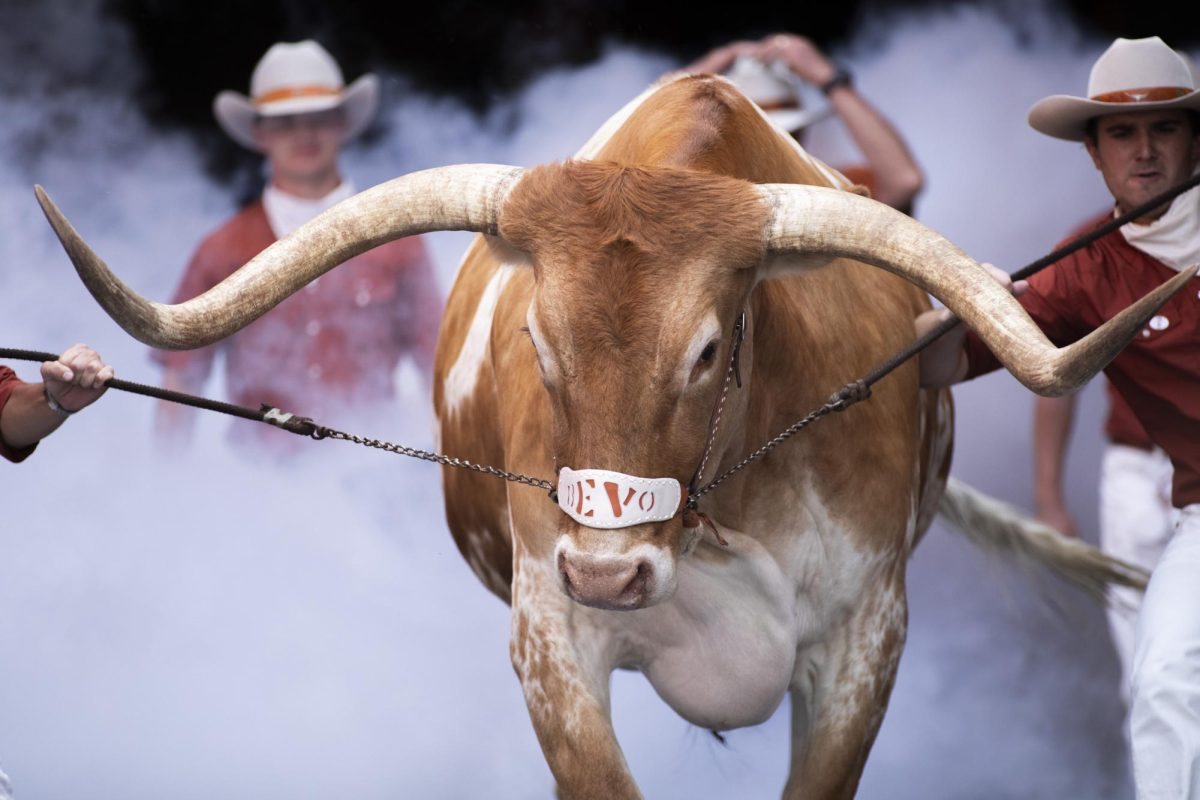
x=738 y=331
x=437 y=458
x=840 y=400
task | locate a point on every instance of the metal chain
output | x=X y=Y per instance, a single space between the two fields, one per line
x=739 y=329
x=840 y=400
x=437 y=458
x=291 y=423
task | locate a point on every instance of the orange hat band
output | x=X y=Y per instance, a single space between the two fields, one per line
x=292 y=92
x=777 y=105
x=1152 y=95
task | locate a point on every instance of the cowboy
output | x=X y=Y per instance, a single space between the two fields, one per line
x=337 y=343
x=1136 y=515
x=1140 y=124
x=29 y=412
x=767 y=71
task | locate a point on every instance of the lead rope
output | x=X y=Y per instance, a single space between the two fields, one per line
x=848 y=395
x=302 y=426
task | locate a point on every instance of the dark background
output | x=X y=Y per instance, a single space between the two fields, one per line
x=482 y=52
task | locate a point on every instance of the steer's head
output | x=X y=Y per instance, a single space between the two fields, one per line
x=640 y=276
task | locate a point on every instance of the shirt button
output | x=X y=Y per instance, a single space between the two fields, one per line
x=313 y=327
x=362 y=298
x=314 y=371
x=1159 y=322
x=1145 y=333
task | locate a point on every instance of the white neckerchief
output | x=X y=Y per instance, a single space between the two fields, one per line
x=1173 y=238
x=286 y=212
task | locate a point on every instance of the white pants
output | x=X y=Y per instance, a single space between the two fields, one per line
x=1165 y=712
x=1136 y=522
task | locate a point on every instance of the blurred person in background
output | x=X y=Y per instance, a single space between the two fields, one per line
x=766 y=71
x=336 y=343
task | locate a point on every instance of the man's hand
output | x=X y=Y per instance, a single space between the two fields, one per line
x=77 y=379
x=799 y=55
x=945 y=362
x=1058 y=517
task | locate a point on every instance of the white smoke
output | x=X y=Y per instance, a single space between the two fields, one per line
x=208 y=625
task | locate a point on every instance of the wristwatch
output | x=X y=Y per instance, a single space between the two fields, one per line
x=841 y=77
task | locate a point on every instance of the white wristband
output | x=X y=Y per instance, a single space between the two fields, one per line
x=54 y=405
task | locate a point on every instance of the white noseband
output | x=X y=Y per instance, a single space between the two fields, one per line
x=599 y=498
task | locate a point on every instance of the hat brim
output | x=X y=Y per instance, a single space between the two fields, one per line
x=236 y=113
x=1065 y=117
x=796 y=120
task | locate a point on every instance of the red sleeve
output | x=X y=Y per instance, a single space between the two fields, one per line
x=418 y=285
x=861 y=175
x=1057 y=301
x=8 y=382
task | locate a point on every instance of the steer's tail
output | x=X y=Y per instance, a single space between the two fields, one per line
x=998 y=527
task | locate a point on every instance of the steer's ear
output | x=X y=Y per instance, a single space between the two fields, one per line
x=780 y=265
x=506 y=253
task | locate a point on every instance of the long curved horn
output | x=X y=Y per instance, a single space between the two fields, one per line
x=818 y=220
x=465 y=197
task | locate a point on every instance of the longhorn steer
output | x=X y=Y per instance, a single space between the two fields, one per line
x=595 y=334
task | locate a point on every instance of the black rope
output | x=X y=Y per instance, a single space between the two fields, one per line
x=302 y=426
x=949 y=324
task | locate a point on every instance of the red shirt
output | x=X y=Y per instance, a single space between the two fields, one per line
x=1122 y=427
x=8 y=382
x=1158 y=373
x=335 y=343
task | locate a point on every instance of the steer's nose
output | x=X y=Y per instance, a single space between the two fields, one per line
x=620 y=584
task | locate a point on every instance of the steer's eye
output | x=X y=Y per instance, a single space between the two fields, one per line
x=704 y=361
x=537 y=356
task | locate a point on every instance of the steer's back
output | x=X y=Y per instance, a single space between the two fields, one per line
x=488 y=397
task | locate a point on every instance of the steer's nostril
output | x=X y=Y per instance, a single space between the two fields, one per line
x=639 y=586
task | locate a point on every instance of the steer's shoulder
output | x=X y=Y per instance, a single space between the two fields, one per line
x=470 y=419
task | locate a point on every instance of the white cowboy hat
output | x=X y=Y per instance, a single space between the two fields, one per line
x=771 y=88
x=296 y=78
x=1131 y=75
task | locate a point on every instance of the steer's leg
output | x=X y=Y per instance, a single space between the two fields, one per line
x=840 y=693
x=564 y=668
